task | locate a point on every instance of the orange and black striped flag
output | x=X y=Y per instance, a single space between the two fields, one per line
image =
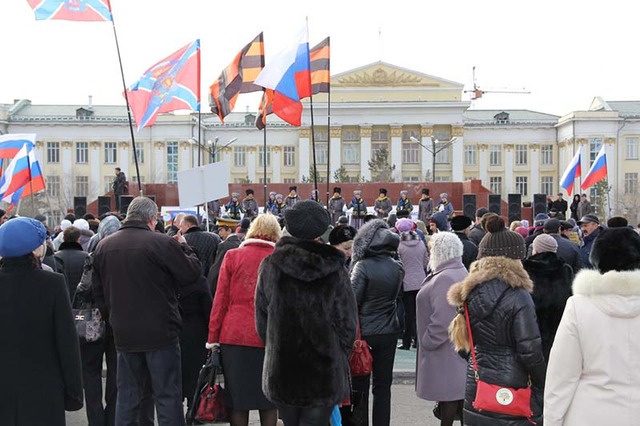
x=265 y=109
x=319 y=57
x=237 y=78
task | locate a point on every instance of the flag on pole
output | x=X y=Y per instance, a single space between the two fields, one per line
x=288 y=74
x=598 y=170
x=265 y=109
x=11 y=143
x=23 y=177
x=171 y=84
x=320 y=78
x=72 y=10
x=238 y=77
x=573 y=171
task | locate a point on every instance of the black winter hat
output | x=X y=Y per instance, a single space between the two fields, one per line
x=249 y=191
x=340 y=234
x=306 y=220
x=616 y=249
x=293 y=188
x=383 y=191
x=425 y=191
x=337 y=189
x=617 y=222
x=460 y=223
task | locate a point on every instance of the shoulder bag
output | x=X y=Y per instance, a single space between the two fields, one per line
x=360 y=360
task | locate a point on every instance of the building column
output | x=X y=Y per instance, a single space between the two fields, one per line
x=304 y=143
x=396 y=151
x=94 y=159
x=534 y=167
x=426 y=157
x=457 y=157
x=365 y=152
x=123 y=159
x=483 y=164
x=184 y=157
x=335 y=154
x=276 y=164
x=160 y=161
x=67 y=180
x=612 y=174
x=251 y=163
x=508 y=168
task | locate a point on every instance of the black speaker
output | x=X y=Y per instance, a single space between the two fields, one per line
x=125 y=200
x=151 y=197
x=495 y=204
x=515 y=207
x=104 y=205
x=539 y=204
x=79 y=206
x=469 y=205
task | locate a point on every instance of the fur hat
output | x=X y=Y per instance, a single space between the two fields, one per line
x=306 y=220
x=540 y=219
x=481 y=212
x=402 y=213
x=444 y=246
x=21 y=236
x=382 y=191
x=341 y=234
x=425 y=191
x=460 y=223
x=615 y=249
x=499 y=241
x=249 y=191
x=337 y=189
x=404 y=225
x=235 y=195
x=272 y=193
x=343 y=220
x=81 y=224
x=404 y=192
x=293 y=188
x=279 y=196
x=617 y=222
x=544 y=243
x=357 y=192
x=444 y=195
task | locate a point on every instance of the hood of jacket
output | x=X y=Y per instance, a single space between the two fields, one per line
x=616 y=293
x=543 y=263
x=108 y=226
x=508 y=271
x=306 y=260
x=372 y=239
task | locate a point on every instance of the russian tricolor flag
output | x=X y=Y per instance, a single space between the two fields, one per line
x=573 y=171
x=598 y=170
x=288 y=74
x=10 y=143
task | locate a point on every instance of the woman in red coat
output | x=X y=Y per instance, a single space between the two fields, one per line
x=232 y=323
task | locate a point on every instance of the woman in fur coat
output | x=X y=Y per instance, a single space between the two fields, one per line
x=503 y=324
x=376 y=278
x=305 y=313
x=593 y=371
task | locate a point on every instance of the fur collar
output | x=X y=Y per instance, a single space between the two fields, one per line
x=589 y=282
x=509 y=271
x=257 y=241
x=306 y=260
x=382 y=198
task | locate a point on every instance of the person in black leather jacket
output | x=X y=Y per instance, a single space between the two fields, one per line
x=503 y=324
x=376 y=278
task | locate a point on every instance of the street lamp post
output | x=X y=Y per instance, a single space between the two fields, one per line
x=434 y=150
x=212 y=148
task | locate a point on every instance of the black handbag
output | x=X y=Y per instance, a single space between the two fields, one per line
x=89 y=323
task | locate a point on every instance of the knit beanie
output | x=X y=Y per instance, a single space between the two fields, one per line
x=544 y=243
x=499 y=241
x=306 y=220
x=522 y=231
x=404 y=225
x=21 y=236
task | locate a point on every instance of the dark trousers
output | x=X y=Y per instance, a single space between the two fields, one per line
x=409 y=302
x=311 y=416
x=117 y=197
x=142 y=374
x=383 y=351
x=92 y=354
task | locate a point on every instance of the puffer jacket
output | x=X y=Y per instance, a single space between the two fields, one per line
x=72 y=258
x=376 y=278
x=585 y=248
x=415 y=259
x=505 y=333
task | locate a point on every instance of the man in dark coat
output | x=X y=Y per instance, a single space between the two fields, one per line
x=382 y=206
x=250 y=205
x=293 y=197
x=226 y=231
x=72 y=258
x=336 y=205
x=477 y=231
x=425 y=206
x=460 y=226
x=203 y=243
x=567 y=250
x=137 y=276
x=590 y=226
x=119 y=186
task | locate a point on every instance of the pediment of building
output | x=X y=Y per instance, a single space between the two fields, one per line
x=382 y=74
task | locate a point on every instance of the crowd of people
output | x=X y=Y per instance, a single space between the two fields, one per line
x=282 y=294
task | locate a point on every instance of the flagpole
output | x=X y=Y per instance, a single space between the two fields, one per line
x=126 y=98
x=264 y=161
x=329 y=129
x=33 y=202
x=313 y=133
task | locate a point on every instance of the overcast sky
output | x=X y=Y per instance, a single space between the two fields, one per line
x=564 y=52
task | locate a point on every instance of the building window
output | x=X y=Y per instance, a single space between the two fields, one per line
x=631 y=183
x=110 y=152
x=377 y=147
x=442 y=132
x=351 y=153
x=469 y=155
x=261 y=157
x=521 y=185
x=408 y=134
x=321 y=135
x=521 y=155
x=140 y=154
x=172 y=162
x=410 y=153
x=82 y=152
x=289 y=156
x=239 y=156
x=379 y=135
x=107 y=182
x=594 y=148
x=495 y=155
x=410 y=178
x=322 y=153
x=82 y=186
x=53 y=152
x=442 y=156
x=632 y=148
x=261 y=180
x=546 y=185
x=53 y=186
x=289 y=180
x=350 y=135
x=443 y=178
x=547 y=155
x=495 y=184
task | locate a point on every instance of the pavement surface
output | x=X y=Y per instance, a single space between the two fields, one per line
x=406 y=408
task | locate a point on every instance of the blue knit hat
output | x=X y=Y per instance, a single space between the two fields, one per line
x=21 y=236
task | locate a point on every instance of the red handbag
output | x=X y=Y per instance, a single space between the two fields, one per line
x=213 y=405
x=496 y=398
x=360 y=360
